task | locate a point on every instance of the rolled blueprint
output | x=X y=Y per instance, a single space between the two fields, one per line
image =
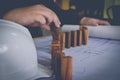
x=107 y=32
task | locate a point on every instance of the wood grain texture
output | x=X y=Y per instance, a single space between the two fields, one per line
x=73 y=38
x=68 y=40
x=85 y=35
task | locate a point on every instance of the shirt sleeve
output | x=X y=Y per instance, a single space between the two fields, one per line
x=69 y=17
x=65 y=16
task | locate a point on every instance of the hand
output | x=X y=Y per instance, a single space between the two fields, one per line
x=36 y=15
x=93 y=21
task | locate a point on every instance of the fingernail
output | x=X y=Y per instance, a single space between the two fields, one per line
x=58 y=25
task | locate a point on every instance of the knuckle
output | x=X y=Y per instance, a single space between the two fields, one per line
x=50 y=13
x=42 y=20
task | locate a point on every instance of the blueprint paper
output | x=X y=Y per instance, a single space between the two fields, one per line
x=98 y=60
x=43 y=46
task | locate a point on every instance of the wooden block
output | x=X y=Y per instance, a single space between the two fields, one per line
x=79 y=36
x=56 y=48
x=58 y=66
x=69 y=68
x=74 y=38
x=55 y=44
x=63 y=68
x=85 y=35
x=66 y=68
x=55 y=32
x=58 y=55
x=62 y=40
x=68 y=40
x=55 y=51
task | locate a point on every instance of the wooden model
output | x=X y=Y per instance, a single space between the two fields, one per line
x=61 y=64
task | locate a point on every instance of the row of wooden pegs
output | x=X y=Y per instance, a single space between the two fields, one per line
x=61 y=64
x=74 y=38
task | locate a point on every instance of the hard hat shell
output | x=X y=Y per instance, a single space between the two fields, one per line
x=18 y=57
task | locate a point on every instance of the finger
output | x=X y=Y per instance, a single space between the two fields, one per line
x=56 y=21
x=35 y=24
x=102 y=22
x=93 y=24
x=40 y=19
x=47 y=27
x=50 y=16
x=47 y=14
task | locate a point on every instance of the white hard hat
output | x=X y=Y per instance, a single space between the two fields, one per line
x=18 y=57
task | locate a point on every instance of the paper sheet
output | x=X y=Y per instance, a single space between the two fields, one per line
x=98 y=60
x=43 y=47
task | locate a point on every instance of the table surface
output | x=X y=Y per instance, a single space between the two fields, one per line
x=98 y=60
